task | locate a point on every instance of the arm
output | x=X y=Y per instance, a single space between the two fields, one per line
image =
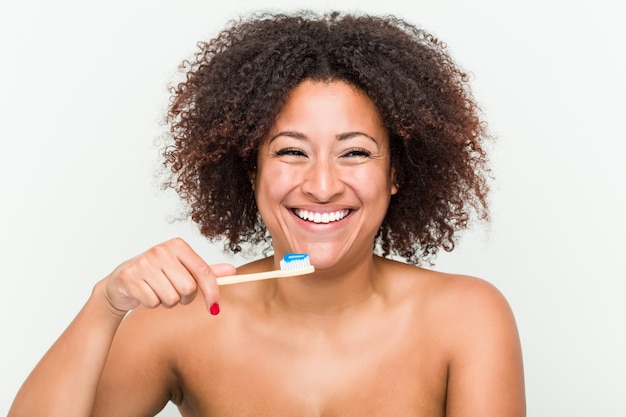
x=65 y=381
x=486 y=375
x=139 y=376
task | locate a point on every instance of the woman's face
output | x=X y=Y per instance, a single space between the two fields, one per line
x=323 y=180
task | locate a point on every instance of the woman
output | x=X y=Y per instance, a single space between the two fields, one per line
x=353 y=139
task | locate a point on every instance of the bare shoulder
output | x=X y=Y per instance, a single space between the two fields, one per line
x=474 y=329
x=472 y=308
x=460 y=297
x=468 y=298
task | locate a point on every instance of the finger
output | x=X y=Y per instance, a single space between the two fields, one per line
x=146 y=295
x=209 y=286
x=137 y=293
x=204 y=275
x=175 y=282
x=161 y=272
x=129 y=285
x=196 y=273
x=223 y=269
x=183 y=284
x=178 y=286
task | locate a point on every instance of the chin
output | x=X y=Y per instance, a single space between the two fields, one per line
x=336 y=258
x=323 y=259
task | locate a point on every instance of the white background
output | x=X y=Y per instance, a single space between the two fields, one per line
x=83 y=88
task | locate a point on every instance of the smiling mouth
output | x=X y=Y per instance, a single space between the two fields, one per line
x=316 y=217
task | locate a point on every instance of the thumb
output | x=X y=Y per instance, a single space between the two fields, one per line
x=222 y=270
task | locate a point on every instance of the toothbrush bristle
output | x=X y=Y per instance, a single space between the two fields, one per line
x=293 y=261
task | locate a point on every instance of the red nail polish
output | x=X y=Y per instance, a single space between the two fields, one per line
x=215 y=309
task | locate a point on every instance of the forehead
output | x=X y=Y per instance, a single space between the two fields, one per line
x=335 y=105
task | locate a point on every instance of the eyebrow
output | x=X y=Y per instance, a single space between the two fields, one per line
x=341 y=136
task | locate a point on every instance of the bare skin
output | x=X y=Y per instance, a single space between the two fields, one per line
x=408 y=349
x=361 y=336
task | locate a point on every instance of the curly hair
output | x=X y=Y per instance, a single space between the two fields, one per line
x=238 y=82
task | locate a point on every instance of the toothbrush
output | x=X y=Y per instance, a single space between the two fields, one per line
x=291 y=265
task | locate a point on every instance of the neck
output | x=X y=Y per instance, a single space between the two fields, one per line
x=328 y=293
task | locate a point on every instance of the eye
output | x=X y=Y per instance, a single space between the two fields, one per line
x=357 y=153
x=295 y=152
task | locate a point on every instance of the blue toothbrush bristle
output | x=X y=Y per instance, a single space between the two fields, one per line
x=293 y=261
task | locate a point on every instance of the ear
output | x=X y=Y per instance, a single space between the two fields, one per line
x=252 y=178
x=394 y=182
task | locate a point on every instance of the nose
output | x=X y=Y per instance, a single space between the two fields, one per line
x=322 y=181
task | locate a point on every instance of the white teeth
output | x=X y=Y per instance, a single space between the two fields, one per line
x=321 y=217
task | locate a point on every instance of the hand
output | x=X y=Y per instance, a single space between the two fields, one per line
x=167 y=274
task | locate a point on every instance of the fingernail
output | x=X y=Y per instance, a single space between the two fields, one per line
x=215 y=309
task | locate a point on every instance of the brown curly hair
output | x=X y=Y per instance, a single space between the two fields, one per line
x=237 y=83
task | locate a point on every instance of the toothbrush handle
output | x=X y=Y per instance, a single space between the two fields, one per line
x=235 y=279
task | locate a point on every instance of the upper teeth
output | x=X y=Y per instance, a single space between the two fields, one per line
x=321 y=217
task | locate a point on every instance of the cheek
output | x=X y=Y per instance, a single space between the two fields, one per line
x=272 y=183
x=371 y=183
